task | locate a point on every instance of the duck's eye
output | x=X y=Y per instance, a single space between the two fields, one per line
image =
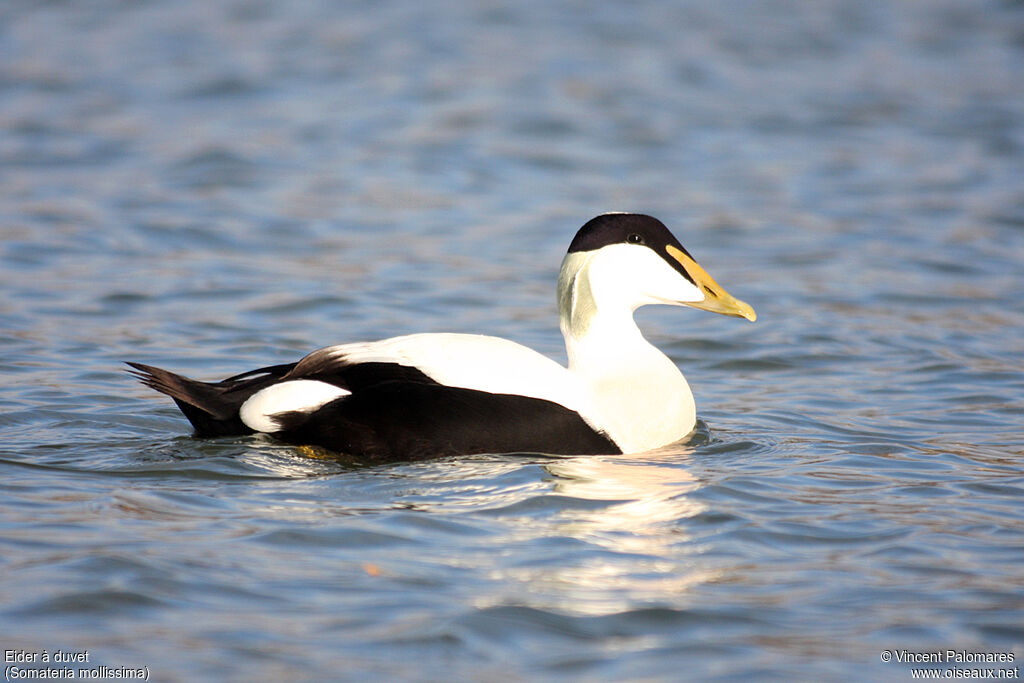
x=634 y=238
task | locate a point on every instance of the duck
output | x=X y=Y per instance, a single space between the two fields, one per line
x=429 y=395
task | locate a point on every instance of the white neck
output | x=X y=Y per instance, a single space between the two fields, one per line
x=636 y=394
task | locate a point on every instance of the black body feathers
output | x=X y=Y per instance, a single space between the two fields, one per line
x=401 y=420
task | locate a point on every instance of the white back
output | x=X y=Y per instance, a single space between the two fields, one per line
x=472 y=361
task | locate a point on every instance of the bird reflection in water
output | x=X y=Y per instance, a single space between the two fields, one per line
x=652 y=489
x=627 y=539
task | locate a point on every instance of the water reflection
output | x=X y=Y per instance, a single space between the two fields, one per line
x=652 y=490
x=633 y=549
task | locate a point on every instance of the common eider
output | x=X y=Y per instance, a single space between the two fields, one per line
x=429 y=395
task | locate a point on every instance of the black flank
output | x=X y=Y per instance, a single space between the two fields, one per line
x=399 y=420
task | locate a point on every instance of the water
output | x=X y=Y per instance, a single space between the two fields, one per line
x=212 y=187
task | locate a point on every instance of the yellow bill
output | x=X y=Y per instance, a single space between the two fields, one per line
x=716 y=299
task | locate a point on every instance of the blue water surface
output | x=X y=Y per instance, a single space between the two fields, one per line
x=213 y=187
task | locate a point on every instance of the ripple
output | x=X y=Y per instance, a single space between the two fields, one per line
x=213 y=168
x=307 y=538
x=512 y=623
x=92 y=604
x=546 y=505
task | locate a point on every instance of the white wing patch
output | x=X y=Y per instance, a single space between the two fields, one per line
x=302 y=395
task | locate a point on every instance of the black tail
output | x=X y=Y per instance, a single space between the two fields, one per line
x=212 y=408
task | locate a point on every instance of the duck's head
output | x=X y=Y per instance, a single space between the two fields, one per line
x=631 y=260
